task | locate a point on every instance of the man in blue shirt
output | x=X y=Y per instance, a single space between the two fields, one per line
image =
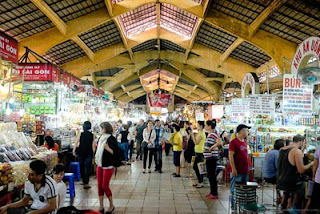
x=158 y=143
x=270 y=165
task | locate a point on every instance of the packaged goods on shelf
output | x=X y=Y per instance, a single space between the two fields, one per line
x=20 y=172
x=5 y=174
x=49 y=157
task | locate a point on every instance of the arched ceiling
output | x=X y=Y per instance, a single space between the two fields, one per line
x=208 y=45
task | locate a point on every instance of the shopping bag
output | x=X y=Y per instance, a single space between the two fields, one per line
x=202 y=168
x=310 y=188
x=192 y=160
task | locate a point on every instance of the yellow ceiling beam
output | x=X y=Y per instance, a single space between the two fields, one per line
x=43 y=41
x=84 y=47
x=97 y=78
x=230 y=49
x=266 y=13
x=83 y=65
x=209 y=79
x=93 y=77
x=267 y=42
x=59 y=23
x=254 y=26
x=129 y=88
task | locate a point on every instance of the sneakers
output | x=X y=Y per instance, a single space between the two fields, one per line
x=160 y=171
x=149 y=170
x=173 y=173
x=177 y=176
x=144 y=171
x=199 y=185
x=210 y=196
x=128 y=163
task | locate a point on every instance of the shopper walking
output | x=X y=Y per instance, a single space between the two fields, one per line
x=238 y=157
x=166 y=137
x=139 y=137
x=176 y=140
x=199 y=147
x=158 y=146
x=124 y=138
x=106 y=159
x=148 y=145
x=132 y=130
x=84 y=148
x=211 y=154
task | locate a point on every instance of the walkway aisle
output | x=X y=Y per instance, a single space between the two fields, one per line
x=135 y=192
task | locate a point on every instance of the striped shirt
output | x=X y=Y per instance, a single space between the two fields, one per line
x=210 y=141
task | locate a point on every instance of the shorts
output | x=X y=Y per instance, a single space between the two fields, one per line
x=272 y=180
x=176 y=158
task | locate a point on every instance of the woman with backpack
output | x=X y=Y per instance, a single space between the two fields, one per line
x=107 y=158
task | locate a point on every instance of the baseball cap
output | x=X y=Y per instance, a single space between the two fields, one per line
x=242 y=126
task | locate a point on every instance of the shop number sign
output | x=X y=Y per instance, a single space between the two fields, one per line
x=297 y=98
x=8 y=48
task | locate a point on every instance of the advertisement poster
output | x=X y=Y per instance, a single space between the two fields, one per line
x=8 y=48
x=159 y=100
x=36 y=72
x=297 y=98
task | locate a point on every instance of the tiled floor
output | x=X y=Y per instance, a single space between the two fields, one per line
x=135 y=192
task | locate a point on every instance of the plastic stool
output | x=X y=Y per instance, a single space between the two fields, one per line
x=71 y=190
x=75 y=169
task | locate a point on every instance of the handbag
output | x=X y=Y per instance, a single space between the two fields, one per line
x=202 y=167
x=185 y=142
x=144 y=143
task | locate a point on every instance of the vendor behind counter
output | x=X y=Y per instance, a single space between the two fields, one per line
x=50 y=144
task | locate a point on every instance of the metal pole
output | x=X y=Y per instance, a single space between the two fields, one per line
x=267 y=76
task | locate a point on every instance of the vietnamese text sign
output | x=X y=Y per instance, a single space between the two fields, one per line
x=262 y=105
x=240 y=107
x=308 y=48
x=36 y=72
x=8 y=48
x=297 y=98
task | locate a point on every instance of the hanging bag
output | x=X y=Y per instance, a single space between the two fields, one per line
x=144 y=144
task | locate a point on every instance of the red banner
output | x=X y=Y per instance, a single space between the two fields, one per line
x=95 y=91
x=159 y=100
x=66 y=79
x=101 y=93
x=36 y=72
x=8 y=48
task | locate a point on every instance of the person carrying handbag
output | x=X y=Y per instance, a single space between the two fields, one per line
x=107 y=159
x=149 y=136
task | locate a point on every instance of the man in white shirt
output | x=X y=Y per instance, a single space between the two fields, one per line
x=40 y=188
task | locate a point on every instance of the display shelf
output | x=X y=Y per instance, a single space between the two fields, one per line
x=277 y=133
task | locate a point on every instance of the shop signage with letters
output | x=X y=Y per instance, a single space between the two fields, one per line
x=307 y=49
x=251 y=80
x=297 y=98
x=36 y=72
x=8 y=48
